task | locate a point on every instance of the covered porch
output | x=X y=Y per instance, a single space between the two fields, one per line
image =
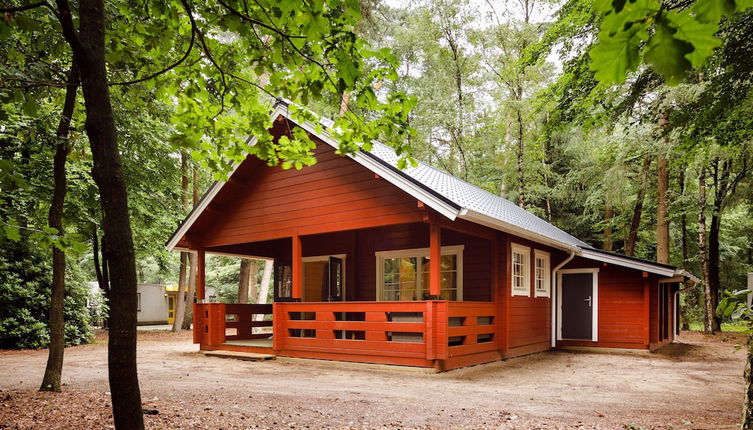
x=369 y=295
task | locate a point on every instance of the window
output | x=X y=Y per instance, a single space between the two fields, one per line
x=138 y=302
x=541 y=272
x=521 y=270
x=404 y=275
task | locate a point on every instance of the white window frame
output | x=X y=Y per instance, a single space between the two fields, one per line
x=456 y=250
x=546 y=292
x=526 y=251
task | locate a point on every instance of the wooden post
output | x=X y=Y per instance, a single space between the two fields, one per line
x=297 y=269
x=200 y=275
x=435 y=255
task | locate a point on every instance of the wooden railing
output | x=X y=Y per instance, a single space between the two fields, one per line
x=410 y=333
x=425 y=330
x=216 y=323
x=471 y=328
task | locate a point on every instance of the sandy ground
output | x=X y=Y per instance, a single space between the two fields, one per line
x=696 y=384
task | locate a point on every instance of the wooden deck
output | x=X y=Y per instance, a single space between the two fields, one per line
x=439 y=334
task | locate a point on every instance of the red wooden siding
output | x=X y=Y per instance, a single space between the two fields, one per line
x=529 y=323
x=336 y=194
x=477 y=278
x=623 y=318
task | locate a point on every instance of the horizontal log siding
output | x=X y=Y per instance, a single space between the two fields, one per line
x=622 y=321
x=476 y=257
x=335 y=194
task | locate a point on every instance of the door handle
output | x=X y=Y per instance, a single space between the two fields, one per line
x=588 y=300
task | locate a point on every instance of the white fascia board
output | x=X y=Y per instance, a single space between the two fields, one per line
x=387 y=174
x=684 y=273
x=496 y=224
x=626 y=262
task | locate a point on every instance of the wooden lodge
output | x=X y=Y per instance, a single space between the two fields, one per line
x=411 y=267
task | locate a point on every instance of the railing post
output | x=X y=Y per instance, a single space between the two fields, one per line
x=429 y=330
x=277 y=326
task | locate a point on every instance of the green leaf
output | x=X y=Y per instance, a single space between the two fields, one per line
x=712 y=11
x=666 y=53
x=12 y=232
x=700 y=35
x=614 y=56
x=30 y=107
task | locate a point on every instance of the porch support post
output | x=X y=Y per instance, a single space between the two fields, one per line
x=435 y=255
x=200 y=275
x=297 y=269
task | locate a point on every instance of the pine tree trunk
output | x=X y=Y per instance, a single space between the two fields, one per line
x=720 y=193
x=266 y=279
x=244 y=281
x=635 y=220
x=608 y=215
x=708 y=313
x=662 y=216
x=88 y=47
x=54 y=370
x=188 y=318
x=180 y=308
x=519 y=154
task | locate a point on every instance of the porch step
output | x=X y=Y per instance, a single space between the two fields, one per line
x=248 y=356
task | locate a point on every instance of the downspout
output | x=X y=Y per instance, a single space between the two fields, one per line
x=676 y=304
x=554 y=296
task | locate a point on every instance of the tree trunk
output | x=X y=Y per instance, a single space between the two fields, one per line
x=608 y=215
x=708 y=313
x=89 y=52
x=635 y=220
x=54 y=369
x=662 y=218
x=188 y=316
x=684 y=224
x=266 y=279
x=244 y=280
x=748 y=405
x=188 y=319
x=519 y=154
x=180 y=308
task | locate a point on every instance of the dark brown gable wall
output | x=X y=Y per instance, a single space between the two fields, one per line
x=336 y=194
x=476 y=257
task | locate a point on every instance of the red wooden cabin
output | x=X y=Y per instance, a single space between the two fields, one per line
x=355 y=240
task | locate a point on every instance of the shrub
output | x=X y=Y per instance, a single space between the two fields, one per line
x=25 y=285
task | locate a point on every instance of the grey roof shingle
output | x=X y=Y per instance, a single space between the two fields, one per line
x=476 y=199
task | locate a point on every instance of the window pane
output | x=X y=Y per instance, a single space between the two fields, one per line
x=399 y=281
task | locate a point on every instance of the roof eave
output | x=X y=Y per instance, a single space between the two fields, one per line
x=479 y=218
x=630 y=263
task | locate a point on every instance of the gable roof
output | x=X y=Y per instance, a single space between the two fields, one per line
x=450 y=196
